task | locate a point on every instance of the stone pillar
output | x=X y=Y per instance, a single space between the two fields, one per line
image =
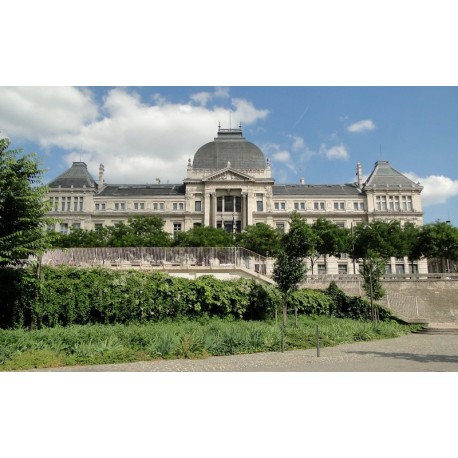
x=213 y=212
x=244 y=210
x=207 y=209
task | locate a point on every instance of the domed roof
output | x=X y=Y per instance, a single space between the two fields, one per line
x=230 y=146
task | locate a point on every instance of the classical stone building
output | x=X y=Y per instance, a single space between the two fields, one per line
x=229 y=184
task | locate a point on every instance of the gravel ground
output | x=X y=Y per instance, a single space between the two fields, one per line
x=411 y=353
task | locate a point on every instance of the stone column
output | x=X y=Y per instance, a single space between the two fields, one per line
x=244 y=208
x=213 y=212
x=207 y=209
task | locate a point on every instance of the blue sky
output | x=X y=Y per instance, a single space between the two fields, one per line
x=142 y=133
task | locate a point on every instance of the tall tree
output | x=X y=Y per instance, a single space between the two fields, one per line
x=289 y=268
x=330 y=238
x=22 y=206
x=439 y=240
x=260 y=238
x=372 y=270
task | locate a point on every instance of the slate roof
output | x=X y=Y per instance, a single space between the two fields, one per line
x=77 y=176
x=132 y=190
x=323 y=190
x=385 y=175
x=229 y=146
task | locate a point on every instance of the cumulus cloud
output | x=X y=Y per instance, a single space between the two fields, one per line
x=137 y=141
x=335 y=152
x=202 y=98
x=361 y=126
x=298 y=143
x=436 y=188
x=39 y=113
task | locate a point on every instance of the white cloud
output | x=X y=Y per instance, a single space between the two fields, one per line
x=282 y=156
x=436 y=188
x=39 y=113
x=201 y=98
x=298 y=143
x=361 y=126
x=137 y=141
x=335 y=152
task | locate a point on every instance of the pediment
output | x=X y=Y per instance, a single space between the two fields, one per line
x=229 y=174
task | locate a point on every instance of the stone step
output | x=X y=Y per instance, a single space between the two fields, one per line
x=443 y=331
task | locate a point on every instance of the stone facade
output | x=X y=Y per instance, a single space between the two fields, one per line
x=229 y=184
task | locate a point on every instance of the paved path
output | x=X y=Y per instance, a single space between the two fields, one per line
x=411 y=353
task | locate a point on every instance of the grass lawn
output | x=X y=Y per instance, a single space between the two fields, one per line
x=107 y=344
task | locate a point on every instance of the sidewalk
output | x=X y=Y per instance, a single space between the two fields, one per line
x=411 y=353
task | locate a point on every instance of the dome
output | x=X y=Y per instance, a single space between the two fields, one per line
x=229 y=146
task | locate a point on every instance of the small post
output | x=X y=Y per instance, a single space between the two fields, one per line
x=317 y=342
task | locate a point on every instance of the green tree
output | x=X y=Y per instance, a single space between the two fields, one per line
x=439 y=240
x=381 y=237
x=204 y=236
x=261 y=239
x=330 y=238
x=22 y=206
x=289 y=268
x=372 y=270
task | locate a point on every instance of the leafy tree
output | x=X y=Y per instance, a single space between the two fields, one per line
x=147 y=231
x=204 y=236
x=289 y=268
x=439 y=240
x=260 y=238
x=372 y=270
x=22 y=206
x=381 y=237
x=330 y=238
x=410 y=243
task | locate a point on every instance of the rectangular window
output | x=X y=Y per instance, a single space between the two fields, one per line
x=197 y=225
x=158 y=206
x=343 y=269
x=198 y=206
x=219 y=204
x=380 y=202
x=340 y=224
x=76 y=225
x=400 y=269
x=259 y=206
x=358 y=206
x=101 y=206
x=299 y=206
x=176 y=228
x=139 y=205
x=63 y=228
x=280 y=205
x=238 y=204
x=56 y=204
x=63 y=204
x=407 y=203
x=318 y=206
x=98 y=226
x=321 y=269
x=81 y=204
x=176 y=206
x=280 y=226
x=69 y=203
x=339 y=205
x=228 y=203
x=75 y=204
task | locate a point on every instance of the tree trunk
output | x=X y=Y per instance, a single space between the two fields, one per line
x=283 y=327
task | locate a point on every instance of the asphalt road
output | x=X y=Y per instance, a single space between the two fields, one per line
x=411 y=353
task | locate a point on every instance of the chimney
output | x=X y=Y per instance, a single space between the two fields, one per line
x=359 y=175
x=302 y=181
x=101 y=175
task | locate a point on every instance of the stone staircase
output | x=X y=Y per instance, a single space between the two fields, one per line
x=439 y=329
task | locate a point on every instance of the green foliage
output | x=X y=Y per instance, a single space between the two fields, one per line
x=260 y=238
x=22 y=206
x=104 y=344
x=288 y=272
x=438 y=240
x=380 y=237
x=372 y=270
x=139 y=231
x=355 y=308
x=310 y=302
x=204 y=236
